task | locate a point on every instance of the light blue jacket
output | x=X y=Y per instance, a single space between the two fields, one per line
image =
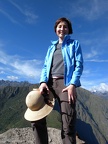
x=73 y=61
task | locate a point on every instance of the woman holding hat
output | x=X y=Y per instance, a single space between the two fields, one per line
x=61 y=74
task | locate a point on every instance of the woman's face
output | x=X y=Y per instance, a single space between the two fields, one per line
x=62 y=30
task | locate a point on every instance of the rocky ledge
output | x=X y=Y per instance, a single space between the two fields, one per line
x=25 y=136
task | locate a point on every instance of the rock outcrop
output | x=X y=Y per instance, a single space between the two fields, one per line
x=25 y=136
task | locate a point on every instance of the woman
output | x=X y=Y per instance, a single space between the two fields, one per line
x=61 y=74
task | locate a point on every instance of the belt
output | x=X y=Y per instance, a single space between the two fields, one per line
x=57 y=77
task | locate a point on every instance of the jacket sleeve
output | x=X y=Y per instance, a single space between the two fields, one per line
x=46 y=67
x=78 y=67
x=43 y=77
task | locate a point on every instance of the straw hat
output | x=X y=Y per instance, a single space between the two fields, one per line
x=38 y=105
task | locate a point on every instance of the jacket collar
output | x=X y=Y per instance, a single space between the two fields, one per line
x=66 y=38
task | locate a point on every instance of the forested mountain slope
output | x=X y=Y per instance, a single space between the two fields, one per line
x=92 y=112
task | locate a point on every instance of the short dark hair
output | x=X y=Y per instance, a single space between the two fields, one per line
x=67 y=21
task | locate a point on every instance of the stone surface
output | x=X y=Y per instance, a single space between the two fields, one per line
x=25 y=136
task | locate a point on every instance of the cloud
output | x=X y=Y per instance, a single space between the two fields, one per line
x=3 y=58
x=12 y=78
x=102 y=87
x=95 y=47
x=30 y=17
x=91 y=54
x=8 y=16
x=98 y=60
x=15 y=67
x=27 y=67
x=1 y=44
x=95 y=56
x=91 y=10
x=92 y=79
x=2 y=72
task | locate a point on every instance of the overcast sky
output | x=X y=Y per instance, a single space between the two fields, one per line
x=27 y=27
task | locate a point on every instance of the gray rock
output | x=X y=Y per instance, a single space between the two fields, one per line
x=25 y=136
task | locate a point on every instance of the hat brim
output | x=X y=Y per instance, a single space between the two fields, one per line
x=46 y=108
x=37 y=115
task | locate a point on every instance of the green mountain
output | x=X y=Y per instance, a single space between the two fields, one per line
x=92 y=112
x=92 y=115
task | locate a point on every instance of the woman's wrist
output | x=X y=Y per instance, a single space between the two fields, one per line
x=73 y=85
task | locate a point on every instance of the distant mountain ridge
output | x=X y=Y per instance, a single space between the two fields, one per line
x=101 y=90
x=4 y=83
x=92 y=112
x=102 y=94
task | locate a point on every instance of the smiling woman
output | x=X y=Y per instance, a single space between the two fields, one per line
x=60 y=75
x=25 y=31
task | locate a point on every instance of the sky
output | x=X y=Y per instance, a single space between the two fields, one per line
x=27 y=28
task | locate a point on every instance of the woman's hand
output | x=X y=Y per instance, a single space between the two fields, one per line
x=43 y=88
x=71 y=93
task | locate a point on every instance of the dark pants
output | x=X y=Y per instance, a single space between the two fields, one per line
x=68 y=116
x=40 y=131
